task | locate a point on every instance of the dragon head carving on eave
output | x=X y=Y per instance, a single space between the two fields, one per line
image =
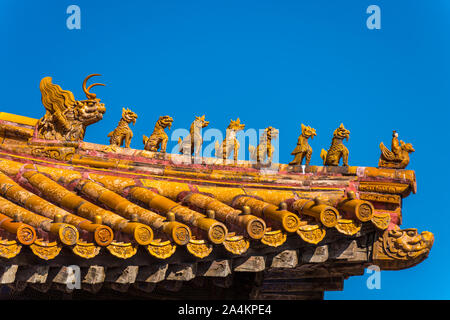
x=399 y=249
x=66 y=119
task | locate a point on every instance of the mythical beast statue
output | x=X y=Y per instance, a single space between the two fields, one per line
x=264 y=148
x=66 y=119
x=230 y=143
x=192 y=143
x=303 y=150
x=123 y=132
x=337 y=149
x=158 y=138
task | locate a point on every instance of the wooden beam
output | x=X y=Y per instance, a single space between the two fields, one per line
x=152 y=273
x=33 y=274
x=216 y=268
x=60 y=280
x=41 y=287
x=197 y=282
x=119 y=287
x=8 y=274
x=223 y=282
x=120 y=278
x=171 y=285
x=300 y=272
x=348 y=251
x=250 y=264
x=93 y=275
x=93 y=278
x=181 y=272
x=316 y=271
x=317 y=254
x=307 y=284
x=122 y=275
x=285 y=259
x=146 y=287
x=18 y=286
x=92 y=288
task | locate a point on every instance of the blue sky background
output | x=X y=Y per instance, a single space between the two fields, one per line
x=278 y=63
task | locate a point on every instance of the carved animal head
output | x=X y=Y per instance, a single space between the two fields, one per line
x=236 y=125
x=398 y=249
x=200 y=122
x=90 y=110
x=406 y=147
x=129 y=116
x=164 y=122
x=65 y=117
x=308 y=132
x=341 y=133
x=407 y=243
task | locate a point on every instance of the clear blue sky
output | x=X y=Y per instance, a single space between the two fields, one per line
x=278 y=63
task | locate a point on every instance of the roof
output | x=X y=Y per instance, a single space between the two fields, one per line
x=137 y=210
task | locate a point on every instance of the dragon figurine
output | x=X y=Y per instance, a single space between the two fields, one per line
x=65 y=118
x=264 y=148
x=158 y=139
x=398 y=156
x=303 y=149
x=123 y=132
x=337 y=149
x=230 y=143
x=192 y=143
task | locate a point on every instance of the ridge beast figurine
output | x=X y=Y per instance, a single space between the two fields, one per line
x=123 y=132
x=230 y=143
x=158 y=139
x=398 y=156
x=303 y=149
x=264 y=148
x=192 y=143
x=337 y=149
x=65 y=118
